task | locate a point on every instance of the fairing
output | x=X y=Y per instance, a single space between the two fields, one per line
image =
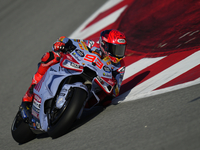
x=70 y=65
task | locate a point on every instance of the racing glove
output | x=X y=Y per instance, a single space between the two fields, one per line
x=59 y=46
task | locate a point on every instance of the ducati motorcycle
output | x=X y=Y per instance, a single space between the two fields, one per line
x=63 y=93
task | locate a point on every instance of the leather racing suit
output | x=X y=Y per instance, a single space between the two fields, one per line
x=61 y=46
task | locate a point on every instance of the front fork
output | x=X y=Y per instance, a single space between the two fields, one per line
x=63 y=98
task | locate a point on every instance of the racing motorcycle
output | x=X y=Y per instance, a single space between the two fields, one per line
x=63 y=93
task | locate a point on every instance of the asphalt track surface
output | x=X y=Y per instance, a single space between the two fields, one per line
x=27 y=31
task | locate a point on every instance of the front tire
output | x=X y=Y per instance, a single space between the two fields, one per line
x=69 y=115
x=20 y=130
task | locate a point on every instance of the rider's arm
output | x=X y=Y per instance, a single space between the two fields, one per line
x=118 y=77
x=118 y=74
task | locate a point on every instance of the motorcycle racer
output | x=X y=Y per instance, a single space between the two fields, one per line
x=111 y=48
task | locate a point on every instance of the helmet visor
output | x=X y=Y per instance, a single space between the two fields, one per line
x=117 y=50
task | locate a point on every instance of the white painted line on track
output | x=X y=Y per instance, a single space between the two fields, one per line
x=78 y=33
x=163 y=77
x=140 y=65
x=127 y=96
x=101 y=24
x=146 y=88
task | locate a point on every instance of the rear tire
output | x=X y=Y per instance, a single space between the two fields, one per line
x=20 y=130
x=69 y=115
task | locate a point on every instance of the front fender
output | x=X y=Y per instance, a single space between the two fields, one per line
x=64 y=92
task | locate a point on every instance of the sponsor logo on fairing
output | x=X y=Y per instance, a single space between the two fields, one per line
x=34 y=113
x=76 y=56
x=76 y=40
x=80 y=53
x=107 y=69
x=107 y=74
x=84 y=45
x=36 y=104
x=75 y=65
x=108 y=63
x=81 y=46
x=37 y=98
x=106 y=59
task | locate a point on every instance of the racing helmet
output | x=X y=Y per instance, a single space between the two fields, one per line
x=113 y=44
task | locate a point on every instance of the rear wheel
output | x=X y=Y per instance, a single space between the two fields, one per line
x=20 y=130
x=65 y=121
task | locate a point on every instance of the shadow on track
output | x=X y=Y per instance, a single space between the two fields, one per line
x=90 y=114
x=132 y=83
x=86 y=117
x=126 y=88
x=198 y=98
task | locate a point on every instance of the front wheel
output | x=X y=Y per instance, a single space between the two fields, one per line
x=20 y=130
x=70 y=113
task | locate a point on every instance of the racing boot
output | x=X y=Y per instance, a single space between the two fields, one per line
x=26 y=104
x=25 y=109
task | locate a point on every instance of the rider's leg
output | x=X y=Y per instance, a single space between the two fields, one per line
x=47 y=60
x=28 y=97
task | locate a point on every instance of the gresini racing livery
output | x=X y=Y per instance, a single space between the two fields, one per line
x=65 y=90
